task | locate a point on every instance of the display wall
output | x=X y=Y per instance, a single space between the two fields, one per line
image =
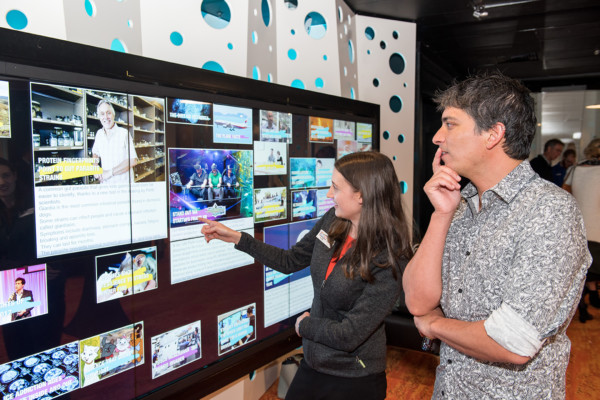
x=317 y=45
x=101 y=225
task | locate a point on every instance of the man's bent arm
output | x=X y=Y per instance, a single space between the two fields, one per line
x=422 y=279
x=469 y=338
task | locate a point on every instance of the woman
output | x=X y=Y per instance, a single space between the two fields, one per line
x=583 y=181
x=356 y=253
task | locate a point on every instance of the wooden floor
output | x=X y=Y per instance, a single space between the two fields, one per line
x=411 y=374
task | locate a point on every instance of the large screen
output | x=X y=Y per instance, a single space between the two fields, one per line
x=106 y=280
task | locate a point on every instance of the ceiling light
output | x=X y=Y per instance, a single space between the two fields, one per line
x=576 y=135
x=593 y=107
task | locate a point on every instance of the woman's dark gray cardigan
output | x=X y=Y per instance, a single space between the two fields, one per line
x=344 y=335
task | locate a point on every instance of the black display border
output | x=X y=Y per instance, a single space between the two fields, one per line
x=43 y=59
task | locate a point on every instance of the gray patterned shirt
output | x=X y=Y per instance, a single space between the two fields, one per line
x=519 y=264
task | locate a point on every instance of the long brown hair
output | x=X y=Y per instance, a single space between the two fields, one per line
x=382 y=227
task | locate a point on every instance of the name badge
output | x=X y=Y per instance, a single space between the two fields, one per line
x=322 y=236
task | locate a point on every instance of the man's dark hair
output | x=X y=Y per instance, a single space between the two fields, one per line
x=22 y=280
x=551 y=143
x=490 y=98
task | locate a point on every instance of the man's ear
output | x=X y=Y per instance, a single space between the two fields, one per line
x=495 y=135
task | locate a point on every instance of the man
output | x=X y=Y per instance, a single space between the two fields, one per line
x=542 y=164
x=114 y=147
x=230 y=182
x=198 y=182
x=215 y=182
x=271 y=158
x=559 y=171
x=500 y=269
x=21 y=294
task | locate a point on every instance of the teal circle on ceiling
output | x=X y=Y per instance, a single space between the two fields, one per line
x=382 y=45
x=176 y=38
x=16 y=19
x=325 y=57
x=351 y=51
x=368 y=51
x=395 y=34
x=397 y=63
x=216 y=13
x=230 y=46
x=315 y=25
x=352 y=93
x=213 y=66
x=319 y=83
x=403 y=187
x=376 y=82
x=292 y=55
x=254 y=37
x=90 y=8
x=293 y=32
x=118 y=45
x=270 y=78
x=395 y=103
x=265 y=8
x=370 y=33
x=394 y=158
x=401 y=138
x=130 y=23
x=386 y=135
x=298 y=84
x=256 y=73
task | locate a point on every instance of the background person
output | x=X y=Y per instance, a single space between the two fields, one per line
x=114 y=147
x=542 y=164
x=357 y=279
x=584 y=182
x=569 y=158
x=500 y=269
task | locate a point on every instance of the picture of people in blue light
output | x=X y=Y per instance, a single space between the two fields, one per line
x=209 y=183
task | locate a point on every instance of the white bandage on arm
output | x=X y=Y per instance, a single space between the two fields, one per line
x=513 y=332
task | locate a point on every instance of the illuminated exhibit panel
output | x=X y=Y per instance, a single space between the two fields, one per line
x=286 y=294
x=176 y=348
x=89 y=191
x=321 y=130
x=275 y=126
x=23 y=293
x=344 y=130
x=4 y=110
x=232 y=125
x=270 y=204
x=311 y=172
x=236 y=328
x=270 y=158
x=124 y=274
